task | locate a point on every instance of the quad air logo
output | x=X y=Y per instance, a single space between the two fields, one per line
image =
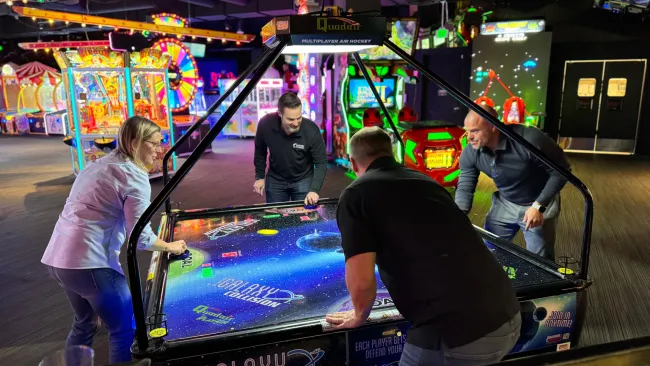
x=344 y=25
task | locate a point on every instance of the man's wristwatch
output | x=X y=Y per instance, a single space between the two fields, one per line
x=539 y=207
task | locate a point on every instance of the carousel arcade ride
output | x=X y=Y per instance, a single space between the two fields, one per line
x=38 y=96
x=192 y=312
x=103 y=89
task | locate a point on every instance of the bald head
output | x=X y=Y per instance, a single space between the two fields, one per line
x=480 y=132
x=368 y=144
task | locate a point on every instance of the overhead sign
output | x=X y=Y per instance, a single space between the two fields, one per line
x=305 y=30
x=513 y=27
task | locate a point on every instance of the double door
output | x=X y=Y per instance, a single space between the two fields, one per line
x=601 y=105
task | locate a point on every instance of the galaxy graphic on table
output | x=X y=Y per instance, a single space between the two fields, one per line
x=522 y=65
x=255 y=269
x=268 y=266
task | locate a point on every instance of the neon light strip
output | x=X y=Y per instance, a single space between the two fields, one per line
x=344 y=116
x=127 y=24
x=129 y=99
x=75 y=120
x=169 y=118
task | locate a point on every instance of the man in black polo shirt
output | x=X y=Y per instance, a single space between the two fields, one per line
x=441 y=277
x=298 y=162
x=528 y=195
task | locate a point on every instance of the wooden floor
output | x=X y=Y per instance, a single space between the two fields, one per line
x=35 y=178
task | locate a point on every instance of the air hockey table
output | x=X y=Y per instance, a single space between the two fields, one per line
x=258 y=281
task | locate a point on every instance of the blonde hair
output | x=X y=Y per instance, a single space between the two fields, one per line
x=132 y=134
x=370 y=143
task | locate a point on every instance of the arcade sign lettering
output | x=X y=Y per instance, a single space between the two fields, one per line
x=345 y=25
x=257 y=293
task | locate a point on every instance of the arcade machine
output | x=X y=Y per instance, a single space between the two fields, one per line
x=183 y=86
x=25 y=107
x=149 y=88
x=389 y=78
x=432 y=147
x=100 y=96
x=515 y=54
x=262 y=101
x=56 y=114
x=10 y=92
x=198 y=107
x=183 y=83
x=37 y=95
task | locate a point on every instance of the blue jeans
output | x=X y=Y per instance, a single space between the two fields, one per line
x=505 y=219
x=98 y=294
x=487 y=350
x=282 y=191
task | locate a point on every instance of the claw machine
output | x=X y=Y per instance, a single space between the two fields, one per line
x=100 y=96
x=262 y=101
x=149 y=86
x=244 y=121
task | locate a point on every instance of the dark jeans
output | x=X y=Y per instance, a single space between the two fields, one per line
x=282 y=191
x=95 y=294
x=487 y=350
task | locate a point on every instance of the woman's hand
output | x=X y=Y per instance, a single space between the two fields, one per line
x=177 y=247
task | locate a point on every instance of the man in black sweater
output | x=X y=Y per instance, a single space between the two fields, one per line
x=439 y=273
x=298 y=162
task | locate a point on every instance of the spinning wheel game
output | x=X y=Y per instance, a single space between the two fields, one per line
x=183 y=75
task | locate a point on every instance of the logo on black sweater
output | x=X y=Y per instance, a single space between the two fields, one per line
x=298 y=146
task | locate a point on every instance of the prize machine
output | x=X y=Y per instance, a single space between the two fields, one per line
x=262 y=101
x=101 y=96
x=149 y=90
x=10 y=92
x=183 y=87
x=56 y=113
x=198 y=106
x=389 y=77
x=183 y=84
x=37 y=96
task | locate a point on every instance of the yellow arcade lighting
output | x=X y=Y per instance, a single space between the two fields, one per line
x=128 y=24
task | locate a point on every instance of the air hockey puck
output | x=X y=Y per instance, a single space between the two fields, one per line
x=311 y=207
x=184 y=255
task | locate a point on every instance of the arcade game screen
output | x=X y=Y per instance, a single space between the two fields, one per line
x=402 y=34
x=361 y=96
x=522 y=65
x=267 y=266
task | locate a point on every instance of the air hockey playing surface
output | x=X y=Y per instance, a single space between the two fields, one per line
x=280 y=268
